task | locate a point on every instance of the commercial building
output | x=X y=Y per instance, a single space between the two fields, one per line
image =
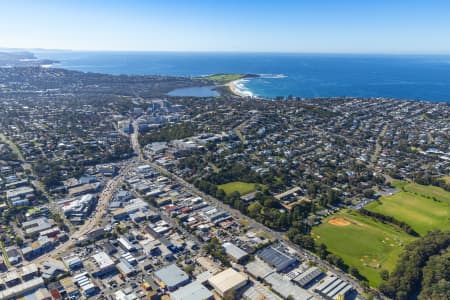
x=37 y=248
x=277 y=258
x=37 y=225
x=125 y=268
x=19 y=192
x=104 y=264
x=237 y=254
x=332 y=287
x=125 y=244
x=82 y=190
x=171 y=277
x=308 y=276
x=22 y=289
x=85 y=284
x=79 y=207
x=69 y=288
x=228 y=281
x=73 y=262
x=29 y=272
x=192 y=291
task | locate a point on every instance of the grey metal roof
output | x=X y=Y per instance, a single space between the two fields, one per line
x=308 y=276
x=234 y=251
x=172 y=275
x=276 y=257
x=192 y=291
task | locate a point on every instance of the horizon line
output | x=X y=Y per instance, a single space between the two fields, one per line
x=222 y=51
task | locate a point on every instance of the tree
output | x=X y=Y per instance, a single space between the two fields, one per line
x=189 y=269
x=18 y=240
x=405 y=281
x=254 y=209
x=322 y=251
x=220 y=194
x=384 y=274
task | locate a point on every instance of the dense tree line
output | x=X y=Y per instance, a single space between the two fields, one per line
x=436 y=278
x=388 y=219
x=169 y=133
x=234 y=172
x=432 y=180
x=264 y=208
x=409 y=275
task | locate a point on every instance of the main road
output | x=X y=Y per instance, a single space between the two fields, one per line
x=274 y=235
x=96 y=216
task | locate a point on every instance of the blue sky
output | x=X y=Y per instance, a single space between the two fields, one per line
x=336 y=26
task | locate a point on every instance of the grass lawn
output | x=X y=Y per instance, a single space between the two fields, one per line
x=223 y=78
x=415 y=206
x=363 y=242
x=238 y=186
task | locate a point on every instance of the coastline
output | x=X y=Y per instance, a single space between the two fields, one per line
x=236 y=88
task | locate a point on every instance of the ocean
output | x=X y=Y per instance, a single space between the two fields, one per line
x=411 y=77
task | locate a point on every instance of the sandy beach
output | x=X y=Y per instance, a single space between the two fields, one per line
x=236 y=87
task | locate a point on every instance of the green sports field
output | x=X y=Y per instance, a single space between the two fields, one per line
x=424 y=208
x=371 y=246
x=238 y=186
x=362 y=242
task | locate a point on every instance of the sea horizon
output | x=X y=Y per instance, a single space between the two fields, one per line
x=423 y=77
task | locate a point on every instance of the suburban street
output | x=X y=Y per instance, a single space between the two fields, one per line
x=274 y=235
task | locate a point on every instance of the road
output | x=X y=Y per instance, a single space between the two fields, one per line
x=274 y=235
x=111 y=186
x=96 y=216
x=378 y=148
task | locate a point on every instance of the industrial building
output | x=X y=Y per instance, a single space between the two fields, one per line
x=171 y=277
x=37 y=225
x=73 y=262
x=237 y=254
x=277 y=258
x=192 y=291
x=227 y=281
x=333 y=287
x=86 y=285
x=22 y=288
x=308 y=276
x=104 y=264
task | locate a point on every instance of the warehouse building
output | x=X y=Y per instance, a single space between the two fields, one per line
x=332 y=287
x=192 y=291
x=277 y=258
x=104 y=264
x=22 y=289
x=237 y=254
x=308 y=276
x=73 y=262
x=228 y=281
x=171 y=277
